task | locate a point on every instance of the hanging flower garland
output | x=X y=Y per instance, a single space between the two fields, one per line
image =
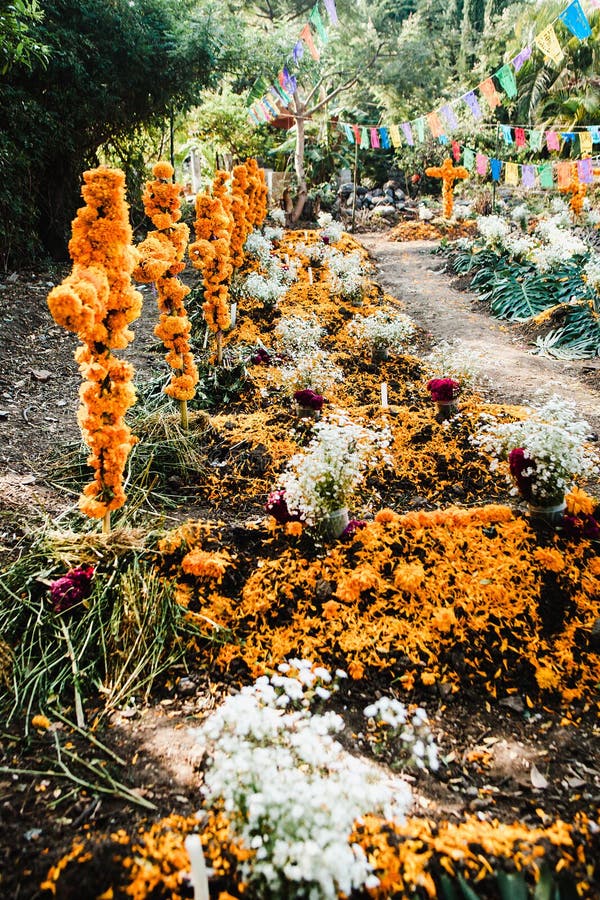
x=257 y=194
x=239 y=210
x=161 y=261
x=98 y=302
x=210 y=253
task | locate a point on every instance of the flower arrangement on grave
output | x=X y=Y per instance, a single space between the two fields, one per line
x=161 y=261
x=320 y=481
x=307 y=379
x=452 y=368
x=257 y=193
x=331 y=231
x=98 y=302
x=347 y=275
x=210 y=253
x=383 y=331
x=546 y=452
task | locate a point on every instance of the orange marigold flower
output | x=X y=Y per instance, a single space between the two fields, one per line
x=294 y=529
x=331 y=609
x=205 y=564
x=356 y=670
x=445 y=618
x=385 y=516
x=549 y=558
x=547 y=678
x=579 y=501
x=428 y=678
x=409 y=577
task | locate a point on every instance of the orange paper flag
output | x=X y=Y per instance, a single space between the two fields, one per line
x=306 y=36
x=490 y=93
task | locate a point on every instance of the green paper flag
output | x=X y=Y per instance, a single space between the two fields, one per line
x=468 y=159
x=507 y=80
x=420 y=128
x=364 y=139
x=535 y=140
x=317 y=21
x=545 y=176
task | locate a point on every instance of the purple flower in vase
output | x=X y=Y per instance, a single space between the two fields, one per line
x=277 y=506
x=309 y=399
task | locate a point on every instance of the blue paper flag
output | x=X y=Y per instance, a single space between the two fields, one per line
x=496 y=167
x=507 y=134
x=298 y=51
x=576 y=20
x=385 y=137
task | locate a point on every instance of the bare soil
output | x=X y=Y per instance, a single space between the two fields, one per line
x=508 y=761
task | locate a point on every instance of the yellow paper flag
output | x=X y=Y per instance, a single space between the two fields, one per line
x=511 y=173
x=585 y=143
x=548 y=44
x=395 y=135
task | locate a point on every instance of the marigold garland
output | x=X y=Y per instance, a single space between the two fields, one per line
x=239 y=210
x=577 y=191
x=257 y=194
x=161 y=261
x=98 y=302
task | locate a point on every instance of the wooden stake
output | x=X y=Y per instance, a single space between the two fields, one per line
x=106 y=522
x=220 y=347
x=184 y=414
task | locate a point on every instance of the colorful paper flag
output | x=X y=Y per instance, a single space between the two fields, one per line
x=349 y=133
x=576 y=20
x=507 y=134
x=468 y=159
x=507 y=80
x=481 y=163
x=456 y=150
x=435 y=124
x=375 y=139
x=331 y=11
x=496 y=167
x=511 y=173
x=306 y=36
x=546 y=175
x=488 y=90
x=547 y=42
x=535 y=139
x=521 y=58
x=585 y=143
x=520 y=137
x=563 y=174
x=289 y=81
x=357 y=134
x=528 y=176
x=420 y=128
x=364 y=139
x=473 y=104
x=407 y=130
x=298 y=51
x=317 y=21
x=385 y=137
x=450 y=117
x=552 y=142
x=595 y=130
x=395 y=135
x=585 y=171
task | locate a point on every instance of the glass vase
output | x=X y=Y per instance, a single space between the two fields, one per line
x=551 y=514
x=446 y=409
x=335 y=523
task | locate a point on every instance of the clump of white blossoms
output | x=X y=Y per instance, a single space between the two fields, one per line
x=494 y=230
x=312 y=371
x=521 y=215
x=266 y=289
x=331 y=231
x=297 y=336
x=259 y=247
x=291 y=792
x=553 y=439
x=277 y=216
x=591 y=272
x=323 y=477
x=407 y=735
x=383 y=330
x=272 y=233
x=557 y=245
x=347 y=274
x=454 y=360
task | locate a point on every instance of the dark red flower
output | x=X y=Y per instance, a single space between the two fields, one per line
x=519 y=463
x=277 y=506
x=325 y=238
x=262 y=357
x=353 y=526
x=309 y=399
x=582 y=526
x=72 y=588
x=443 y=390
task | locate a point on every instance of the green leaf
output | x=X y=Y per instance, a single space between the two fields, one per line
x=448 y=889
x=512 y=886
x=467 y=890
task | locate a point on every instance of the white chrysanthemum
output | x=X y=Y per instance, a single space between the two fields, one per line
x=521 y=215
x=553 y=438
x=277 y=216
x=558 y=244
x=312 y=371
x=274 y=233
x=454 y=360
x=264 y=289
x=347 y=274
x=408 y=734
x=331 y=230
x=297 y=336
x=494 y=230
x=383 y=330
x=259 y=247
x=292 y=794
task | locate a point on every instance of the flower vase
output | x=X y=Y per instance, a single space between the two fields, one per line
x=446 y=408
x=550 y=514
x=306 y=412
x=334 y=524
x=380 y=354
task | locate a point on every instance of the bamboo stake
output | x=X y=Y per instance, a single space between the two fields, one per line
x=184 y=414
x=106 y=522
x=219 y=347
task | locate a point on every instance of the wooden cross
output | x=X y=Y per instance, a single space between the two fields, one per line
x=449 y=173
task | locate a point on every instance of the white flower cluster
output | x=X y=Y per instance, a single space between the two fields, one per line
x=462 y=211
x=266 y=289
x=259 y=247
x=557 y=243
x=383 y=330
x=555 y=441
x=409 y=734
x=425 y=214
x=323 y=477
x=494 y=230
x=272 y=233
x=591 y=271
x=277 y=216
x=310 y=371
x=454 y=360
x=330 y=229
x=296 y=336
x=292 y=794
x=521 y=215
x=347 y=274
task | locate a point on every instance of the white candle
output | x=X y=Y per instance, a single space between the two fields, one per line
x=384 y=395
x=193 y=845
x=233 y=315
x=310 y=275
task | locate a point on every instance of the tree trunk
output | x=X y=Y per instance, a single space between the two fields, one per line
x=299 y=165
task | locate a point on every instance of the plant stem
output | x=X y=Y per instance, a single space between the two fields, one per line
x=220 y=347
x=78 y=704
x=184 y=414
x=106 y=522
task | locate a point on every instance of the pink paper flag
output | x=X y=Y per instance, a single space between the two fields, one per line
x=481 y=163
x=456 y=147
x=552 y=141
x=375 y=139
x=488 y=90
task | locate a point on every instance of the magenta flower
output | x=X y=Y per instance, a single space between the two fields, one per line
x=72 y=588
x=581 y=526
x=277 y=506
x=352 y=527
x=443 y=390
x=262 y=357
x=522 y=469
x=325 y=238
x=310 y=399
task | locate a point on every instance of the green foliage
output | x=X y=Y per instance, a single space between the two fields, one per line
x=221 y=126
x=18 y=46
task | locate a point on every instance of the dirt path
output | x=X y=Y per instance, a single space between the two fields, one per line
x=411 y=273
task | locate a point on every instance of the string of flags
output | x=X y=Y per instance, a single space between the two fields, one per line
x=270 y=100
x=547 y=174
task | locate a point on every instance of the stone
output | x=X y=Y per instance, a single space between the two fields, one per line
x=399 y=195
x=346 y=189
